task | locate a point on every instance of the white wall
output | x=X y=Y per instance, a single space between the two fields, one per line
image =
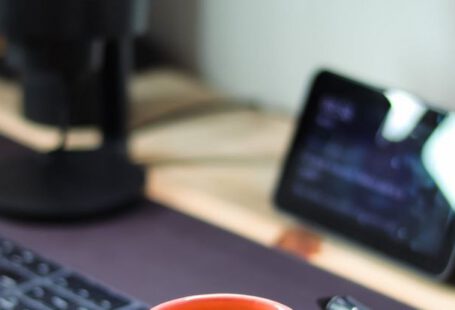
x=268 y=49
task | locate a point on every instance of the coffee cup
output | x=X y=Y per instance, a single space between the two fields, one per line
x=221 y=302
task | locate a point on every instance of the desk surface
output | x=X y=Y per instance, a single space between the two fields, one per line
x=157 y=254
x=226 y=178
x=241 y=192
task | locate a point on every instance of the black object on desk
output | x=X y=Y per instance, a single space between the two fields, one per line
x=375 y=166
x=74 y=58
x=29 y=281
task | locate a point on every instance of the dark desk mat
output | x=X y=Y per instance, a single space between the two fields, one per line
x=156 y=254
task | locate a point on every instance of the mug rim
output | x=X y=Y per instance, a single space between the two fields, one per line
x=174 y=302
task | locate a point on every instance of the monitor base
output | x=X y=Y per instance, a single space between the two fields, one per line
x=68 y=185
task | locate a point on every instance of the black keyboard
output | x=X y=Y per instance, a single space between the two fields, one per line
x=31 y=282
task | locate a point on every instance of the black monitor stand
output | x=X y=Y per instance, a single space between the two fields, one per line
x=77 y=184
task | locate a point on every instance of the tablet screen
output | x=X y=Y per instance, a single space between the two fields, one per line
x=377 y=166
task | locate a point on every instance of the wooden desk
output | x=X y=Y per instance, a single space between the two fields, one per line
x=221 y=167
x=236 y=195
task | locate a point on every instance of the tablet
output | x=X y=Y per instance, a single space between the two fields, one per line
x=377 y=167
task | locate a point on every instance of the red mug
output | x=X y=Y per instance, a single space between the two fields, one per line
x=221 y=302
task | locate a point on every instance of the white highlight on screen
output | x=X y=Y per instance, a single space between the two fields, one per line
x=438 y=156
x=405 y=112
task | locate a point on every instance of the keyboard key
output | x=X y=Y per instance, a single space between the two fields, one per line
x=10 y=278
x=37 y=265
x=24 y=307
x=6 y=246
x=13 y=303
x=94 y=293
x=53 y=300
x=8 y=302
x=26 y=258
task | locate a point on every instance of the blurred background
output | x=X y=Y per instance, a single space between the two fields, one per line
x=216 y=87
x=268 y=50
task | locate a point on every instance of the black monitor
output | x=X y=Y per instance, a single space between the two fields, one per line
x=376 y=166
